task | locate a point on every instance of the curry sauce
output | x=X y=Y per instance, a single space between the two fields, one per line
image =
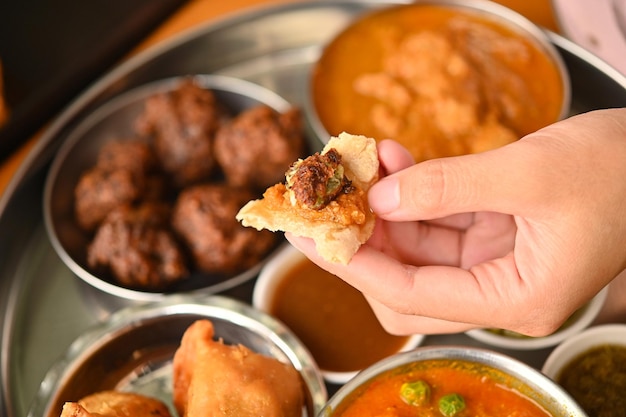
x=332 y=319
x=440 y=81
x=485 y=391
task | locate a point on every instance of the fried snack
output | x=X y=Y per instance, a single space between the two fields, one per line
x=324 y=198
x=137 y=246
x=182 y=124
x=204 y=218
x=214 y=379
x=258 y=145
x=124 y=174
x=115 y=404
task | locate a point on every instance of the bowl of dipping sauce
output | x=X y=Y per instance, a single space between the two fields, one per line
x=577 y=322
x=451 y=381
x=333 y=319
x=591 y=367
x=462 y=76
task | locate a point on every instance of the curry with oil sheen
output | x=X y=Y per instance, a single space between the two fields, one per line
x=332 y=318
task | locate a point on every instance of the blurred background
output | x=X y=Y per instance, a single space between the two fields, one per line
x=50 y=50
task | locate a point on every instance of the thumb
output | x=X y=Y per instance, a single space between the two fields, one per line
x=519 y=179
x=490 y=181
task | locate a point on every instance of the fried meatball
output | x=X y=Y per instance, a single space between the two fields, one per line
x=257 y=146
x=99 y=191
x=318 y=179
x=124 y=173
x=183 y=123
x=133 y=155
x=139 y=249
x=204 y=216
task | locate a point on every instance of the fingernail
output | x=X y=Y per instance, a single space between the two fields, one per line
x=384 y=196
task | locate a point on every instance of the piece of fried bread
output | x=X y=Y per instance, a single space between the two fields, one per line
x=345 y=222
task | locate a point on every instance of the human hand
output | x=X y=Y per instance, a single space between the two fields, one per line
x=515 y=238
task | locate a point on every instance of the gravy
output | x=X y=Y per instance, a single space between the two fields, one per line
x=486 y=392
x=440 y=81
x=332 y=319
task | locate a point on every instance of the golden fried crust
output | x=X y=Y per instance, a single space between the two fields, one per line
x=340 y=228
x=116 y=404
x=75 y=410
x=214 y=379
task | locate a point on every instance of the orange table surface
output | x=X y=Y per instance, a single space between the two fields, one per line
x=200 y=11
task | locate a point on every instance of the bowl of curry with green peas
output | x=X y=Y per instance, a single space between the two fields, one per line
x=451 y=381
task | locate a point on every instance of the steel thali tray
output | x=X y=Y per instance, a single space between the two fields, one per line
x=45 y=307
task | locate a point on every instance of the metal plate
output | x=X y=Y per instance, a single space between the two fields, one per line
x=45 y=307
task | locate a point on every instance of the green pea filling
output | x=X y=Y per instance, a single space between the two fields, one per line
x=335 y=182
x=291 y=172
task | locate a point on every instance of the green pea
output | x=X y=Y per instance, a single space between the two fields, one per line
x=415 y=393
x=336 y=181
x=451 y=404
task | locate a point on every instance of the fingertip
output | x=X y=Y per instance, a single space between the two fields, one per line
x=384 y=196
x=393 y=156
x=303 y=244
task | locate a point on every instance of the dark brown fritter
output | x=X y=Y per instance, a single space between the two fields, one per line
x=136 y=245
x=183 y=123
x=125 y=172
x=132 y=155
x=257 y=146
x=318 y=179
x=204 y=216
x=99 y=191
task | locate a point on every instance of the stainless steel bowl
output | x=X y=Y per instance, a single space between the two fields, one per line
x=526 y=380
x=271 y=278
x=115 y=120
x=133 y=350
x=488 y=9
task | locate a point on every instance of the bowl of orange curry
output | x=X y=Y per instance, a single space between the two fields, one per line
x=331 y=318
x=451 y=381
x=443 y=78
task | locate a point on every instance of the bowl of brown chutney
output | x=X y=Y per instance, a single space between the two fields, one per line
x=333 y=319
